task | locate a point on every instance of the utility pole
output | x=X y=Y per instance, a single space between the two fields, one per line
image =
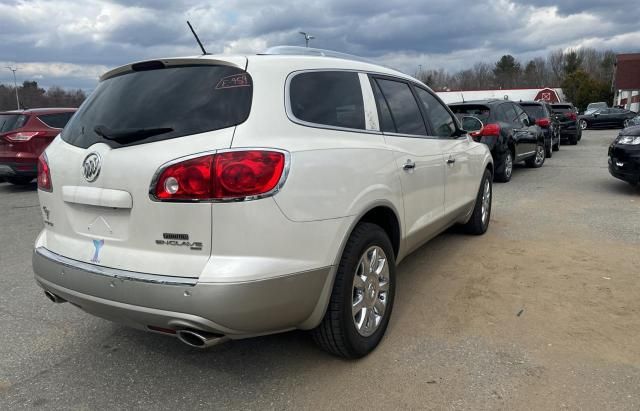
x=15 y=84
x=307 y=37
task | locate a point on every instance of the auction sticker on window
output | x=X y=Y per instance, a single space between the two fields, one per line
x=236 y=80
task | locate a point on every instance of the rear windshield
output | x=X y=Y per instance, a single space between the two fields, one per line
x=481 y=112
x=9 y=122
x=171 y=102
x=56 y=120
x=562 y=109
x=535 y=111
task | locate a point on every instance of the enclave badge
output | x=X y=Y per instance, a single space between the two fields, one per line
x=91 y=167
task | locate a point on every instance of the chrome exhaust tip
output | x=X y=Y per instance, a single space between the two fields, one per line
x=54 y=298
x=200 y=339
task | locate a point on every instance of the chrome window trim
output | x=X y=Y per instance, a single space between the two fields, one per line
x=274 y=191
x=294 y=119
x=114 y=272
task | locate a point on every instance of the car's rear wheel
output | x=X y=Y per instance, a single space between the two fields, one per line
x=626 y=123
x=537 y=160
x=362 y=297
x=504 y=176
x=20 y=181
x=573 y=140
x=549 y=149
x=479 y=221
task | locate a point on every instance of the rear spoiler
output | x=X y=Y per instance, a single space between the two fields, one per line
x=231 y=61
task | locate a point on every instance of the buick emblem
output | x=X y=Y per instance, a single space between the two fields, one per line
x=91 y=167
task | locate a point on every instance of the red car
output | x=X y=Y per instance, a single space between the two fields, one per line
x=24 y=134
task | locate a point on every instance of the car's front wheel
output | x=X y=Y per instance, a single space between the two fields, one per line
x=362 y=297
x=626 y=123
x=583 y=124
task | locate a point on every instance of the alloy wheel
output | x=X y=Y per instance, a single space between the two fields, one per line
x=539 y=154
x=583 y=124
x=508 y=165
x=370 y=291
x=486 y=202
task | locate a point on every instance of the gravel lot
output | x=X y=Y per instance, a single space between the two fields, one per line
x=540 y=313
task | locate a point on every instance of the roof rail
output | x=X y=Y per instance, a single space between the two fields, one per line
x=308 y=51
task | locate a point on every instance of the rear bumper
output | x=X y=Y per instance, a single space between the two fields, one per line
x=237 y=310
x=11 y=169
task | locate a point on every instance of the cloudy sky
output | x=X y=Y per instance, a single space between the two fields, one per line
x=71 y=42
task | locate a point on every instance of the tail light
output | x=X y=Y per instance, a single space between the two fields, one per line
x=44 y=174
x=572 y=116
x=543 y=122
x=230 y=175
x=489 y=130
x=22 y=135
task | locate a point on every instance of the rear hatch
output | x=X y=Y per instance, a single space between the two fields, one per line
x=139 y=118
x=565 y=115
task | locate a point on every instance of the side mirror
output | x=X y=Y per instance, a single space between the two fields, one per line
x=471 y=124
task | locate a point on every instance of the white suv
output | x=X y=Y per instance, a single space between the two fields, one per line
x=221 y=197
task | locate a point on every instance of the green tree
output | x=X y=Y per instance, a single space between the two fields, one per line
x=572 y=62
x=581 y=89
x=507 y=71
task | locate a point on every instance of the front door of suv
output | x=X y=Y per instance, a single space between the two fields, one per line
x=418 y=159
x=460 y=184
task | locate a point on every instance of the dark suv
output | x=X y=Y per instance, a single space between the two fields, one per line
x=542 y=114
x=509 y=132
x=24 y=135
x=567 y=115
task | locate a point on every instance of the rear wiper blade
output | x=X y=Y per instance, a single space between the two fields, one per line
x=129 y=135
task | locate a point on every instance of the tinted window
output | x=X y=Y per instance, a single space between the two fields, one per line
x=404 y=108
x=332 y=98
x=187 y=99
x=521 y=115
x=441 y=121
x=10 y=122
x=482 y=112
x=57 y=120
x=534 y=111
x=384 y=114
x=510 y=115
x=562 y=109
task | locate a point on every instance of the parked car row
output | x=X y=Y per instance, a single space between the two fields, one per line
x=24 y=135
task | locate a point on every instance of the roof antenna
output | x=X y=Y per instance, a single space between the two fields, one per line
x=204 y=52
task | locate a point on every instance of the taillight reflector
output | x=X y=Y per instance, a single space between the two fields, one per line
x=22 y=135
x=222 y=176
x=572 y=116
x=543 y=122
x=44 y=174
x=492 y=129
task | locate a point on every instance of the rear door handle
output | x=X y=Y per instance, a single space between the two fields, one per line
x=409 y=165
x=451 y=160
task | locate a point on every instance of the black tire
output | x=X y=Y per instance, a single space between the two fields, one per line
x=20 y=181
x=504 y=176
x=337 y=332
x=549 y=149
x=538 y=159
x=573 y=140
x=477 y=225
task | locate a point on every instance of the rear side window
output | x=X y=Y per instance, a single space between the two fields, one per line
x=443 y=124
x=403 y=106
x=56 y=120
x=509 y=113
x=9 y=122
x=160 y=104
x=330 y=98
